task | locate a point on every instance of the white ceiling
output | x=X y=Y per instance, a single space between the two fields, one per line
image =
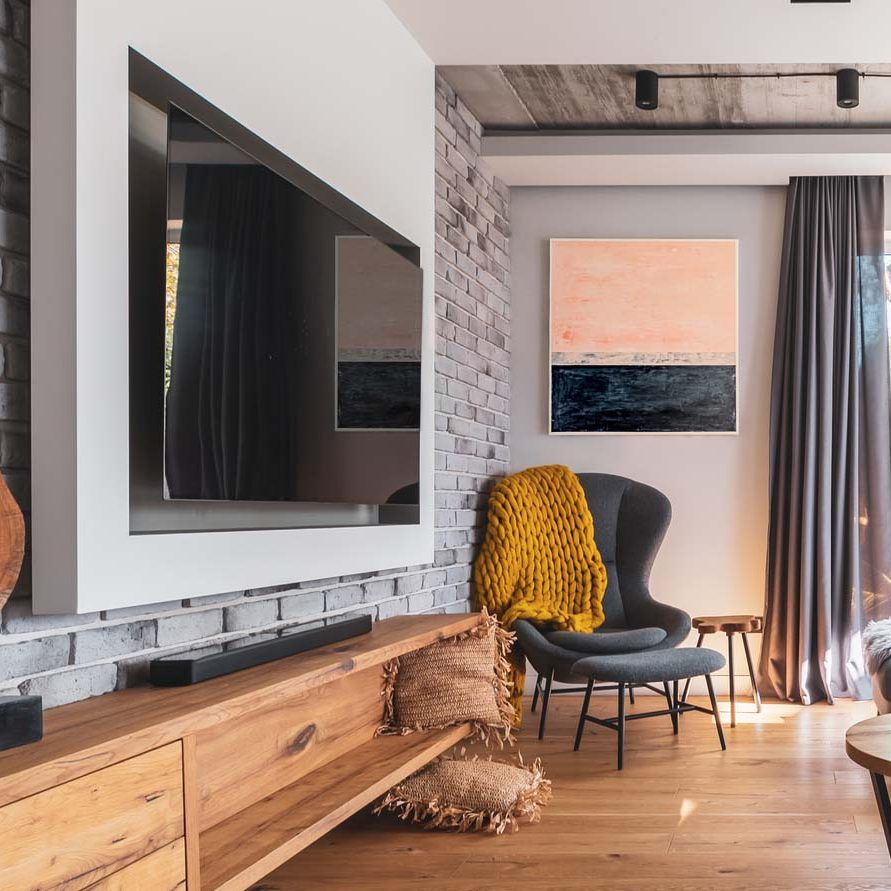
x=654 y=32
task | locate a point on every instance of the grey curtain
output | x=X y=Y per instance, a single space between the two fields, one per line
x=829 y=542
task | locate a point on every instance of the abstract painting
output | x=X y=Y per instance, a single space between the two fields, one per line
x=378 y=330
x=643 y=335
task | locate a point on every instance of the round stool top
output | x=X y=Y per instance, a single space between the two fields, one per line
x=735 y=624
x=869 y=744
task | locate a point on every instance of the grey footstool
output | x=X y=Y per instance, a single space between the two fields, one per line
x=643 y=670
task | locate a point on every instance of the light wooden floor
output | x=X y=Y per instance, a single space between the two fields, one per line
x=782 y=809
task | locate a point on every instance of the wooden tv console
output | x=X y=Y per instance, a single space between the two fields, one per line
x=211 y=786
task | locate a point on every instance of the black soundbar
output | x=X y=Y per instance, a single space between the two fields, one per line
x=182 y=670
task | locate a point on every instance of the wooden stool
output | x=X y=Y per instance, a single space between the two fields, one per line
x=730 y=625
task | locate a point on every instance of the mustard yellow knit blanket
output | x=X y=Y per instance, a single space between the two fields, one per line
x=539 y=560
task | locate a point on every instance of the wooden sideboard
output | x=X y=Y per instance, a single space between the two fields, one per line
x=211 y=786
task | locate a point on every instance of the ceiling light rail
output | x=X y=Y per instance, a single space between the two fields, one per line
x=646 y=93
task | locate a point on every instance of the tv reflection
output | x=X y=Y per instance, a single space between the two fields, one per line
x=292 y=364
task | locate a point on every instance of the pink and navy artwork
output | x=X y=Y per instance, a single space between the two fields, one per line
x=378 y=337
x=643 y=335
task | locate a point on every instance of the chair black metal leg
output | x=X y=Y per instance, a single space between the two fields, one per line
x=880 y=788
x=732 y=679
x=581 y=728
x=715 y=712
x=687 y=685
x=535 y=693
x=620 y=755
x=631 y=694
x=545 y=699
x=675 y=706
x=674 y=717
x=755 y=694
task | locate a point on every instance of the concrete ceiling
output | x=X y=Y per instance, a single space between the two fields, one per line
x=617 y=32
x=601 y=97
x=531 y=69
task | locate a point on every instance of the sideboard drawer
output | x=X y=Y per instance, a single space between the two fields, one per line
x=162 y=870
x=77 y=834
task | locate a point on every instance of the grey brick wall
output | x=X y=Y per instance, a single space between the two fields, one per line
x=66 y=658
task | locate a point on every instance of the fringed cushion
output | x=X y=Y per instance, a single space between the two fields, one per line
x=471 y=796
x=465 y=679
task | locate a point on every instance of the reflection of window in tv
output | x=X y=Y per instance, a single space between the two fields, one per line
x=171 y=268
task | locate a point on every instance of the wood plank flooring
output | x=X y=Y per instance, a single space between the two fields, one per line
x=782 y=809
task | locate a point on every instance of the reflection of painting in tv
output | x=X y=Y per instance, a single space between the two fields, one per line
x=378 y=339
x=643 y=336
x=378 y=395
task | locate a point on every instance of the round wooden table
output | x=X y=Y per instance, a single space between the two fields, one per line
x=869 y=745
x=731 y=625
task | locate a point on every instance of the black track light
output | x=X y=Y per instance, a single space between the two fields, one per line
x=646 y=90
x=847 y=81
x=847 y=88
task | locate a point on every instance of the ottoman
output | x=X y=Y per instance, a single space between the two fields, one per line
x=645 y=669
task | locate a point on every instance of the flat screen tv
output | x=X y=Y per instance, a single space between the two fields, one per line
x=275 y=333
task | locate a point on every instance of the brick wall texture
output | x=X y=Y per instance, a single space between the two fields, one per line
x=66 y=658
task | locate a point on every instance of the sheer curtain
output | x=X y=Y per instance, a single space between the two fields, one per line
x=829 y=541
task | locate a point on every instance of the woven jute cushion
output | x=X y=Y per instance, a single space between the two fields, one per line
x=463 y=679
x=490 y=796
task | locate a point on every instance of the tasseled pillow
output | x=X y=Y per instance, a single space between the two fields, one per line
x=471 y=796
x=464 y=679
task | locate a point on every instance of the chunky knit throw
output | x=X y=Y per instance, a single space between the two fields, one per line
x=539 y=560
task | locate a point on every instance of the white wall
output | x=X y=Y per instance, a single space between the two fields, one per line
x=713 y=557
x=339 y=86
x=648 y=32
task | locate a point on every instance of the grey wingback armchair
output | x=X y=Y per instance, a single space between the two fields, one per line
x=630 y=521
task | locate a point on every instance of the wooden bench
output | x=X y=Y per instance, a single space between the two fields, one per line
x=211 y=786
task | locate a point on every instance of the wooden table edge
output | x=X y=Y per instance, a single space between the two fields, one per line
x=868 y=760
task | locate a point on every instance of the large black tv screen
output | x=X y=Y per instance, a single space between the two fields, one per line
x=291 y=366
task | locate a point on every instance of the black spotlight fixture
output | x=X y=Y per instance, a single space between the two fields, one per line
x=646 y=90
x=847 y=88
